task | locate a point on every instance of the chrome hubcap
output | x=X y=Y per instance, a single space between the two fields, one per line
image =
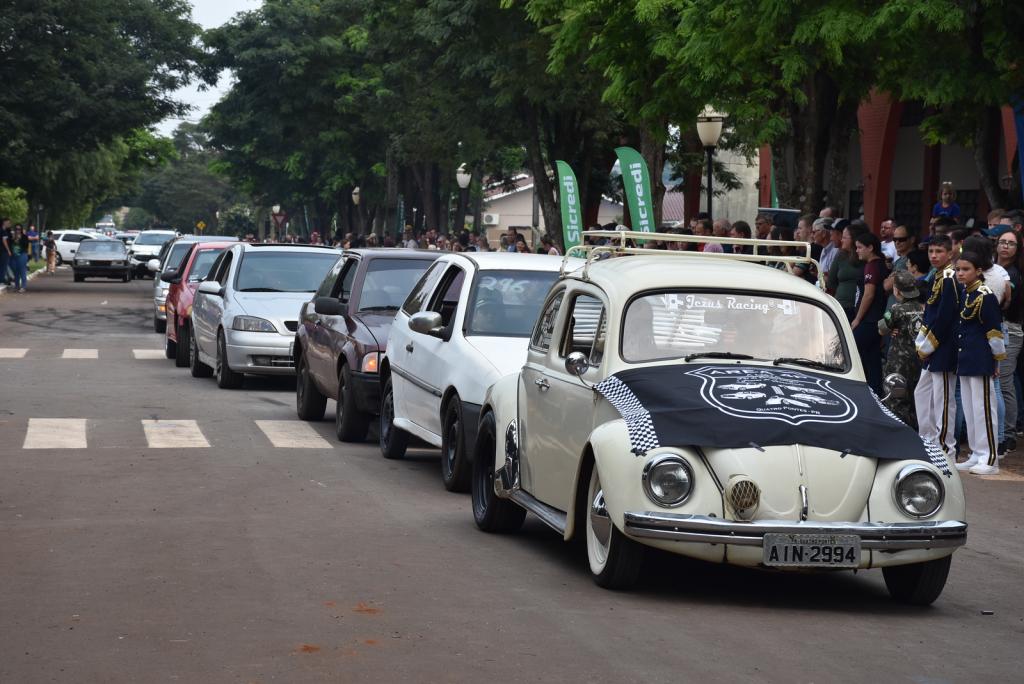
x=600 y=523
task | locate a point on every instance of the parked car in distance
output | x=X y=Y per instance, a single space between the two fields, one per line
x=147 y=245
x=343 y=332
x=715 y=409
x=170 y=257
x=183 y=282
x=245 y=314
x=101 y=258
x=465 y=325
x=67 y=242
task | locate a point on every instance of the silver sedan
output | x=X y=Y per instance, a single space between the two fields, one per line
x=245 y=314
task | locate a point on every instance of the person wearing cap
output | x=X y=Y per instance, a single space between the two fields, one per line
x=830 y=239
x=901 y=324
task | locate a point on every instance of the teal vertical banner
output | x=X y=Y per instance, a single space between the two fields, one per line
x=636 y=181
x=569 y=200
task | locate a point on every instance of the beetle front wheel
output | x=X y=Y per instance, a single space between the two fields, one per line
x=615 y=559
x=918 y=584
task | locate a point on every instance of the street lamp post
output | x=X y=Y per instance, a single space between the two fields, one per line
x=709 y=129
x=276 y=209
x=355 y=201
x=463 y=178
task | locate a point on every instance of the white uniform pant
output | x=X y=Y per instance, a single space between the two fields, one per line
x=935 y=399
x=978 y=394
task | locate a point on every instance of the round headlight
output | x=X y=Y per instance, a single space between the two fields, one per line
x=919 y=491
x=668 y=480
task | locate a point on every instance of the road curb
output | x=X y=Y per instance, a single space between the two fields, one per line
x=31 y=276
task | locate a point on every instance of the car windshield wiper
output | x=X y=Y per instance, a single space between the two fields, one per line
x=260 y=289
x=389 y=307
x=716 y=355
x=810 y=363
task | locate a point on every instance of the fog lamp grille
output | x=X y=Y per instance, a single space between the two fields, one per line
x=743 y=496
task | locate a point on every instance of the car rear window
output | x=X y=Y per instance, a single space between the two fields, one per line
x=389 y=281
x=202 y=263
x=153 y=238
x=283 y=271
x=104 y=247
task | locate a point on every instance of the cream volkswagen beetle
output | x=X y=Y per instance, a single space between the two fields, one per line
x=717 y=409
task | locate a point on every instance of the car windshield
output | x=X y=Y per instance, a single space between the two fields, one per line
x=389 y=281
x=177 y=255
x=102 y=248
x=153 y=238
x=283 y=271
x=202 y=263
x=506 y=303
x=669 y=325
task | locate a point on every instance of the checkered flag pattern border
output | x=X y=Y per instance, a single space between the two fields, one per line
x=935 y=455
x=642 y=436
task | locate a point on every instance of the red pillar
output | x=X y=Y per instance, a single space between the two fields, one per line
x=1009 y=137
x=879 y=121
x=691 y=196
x=764 y=183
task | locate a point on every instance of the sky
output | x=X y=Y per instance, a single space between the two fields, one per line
x=208 y=14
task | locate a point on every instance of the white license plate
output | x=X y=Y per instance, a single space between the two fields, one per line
x=812 y=550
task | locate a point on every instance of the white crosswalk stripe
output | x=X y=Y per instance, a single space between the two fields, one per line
x=13 y=353
x=81 y=354
x=174 y=434
x=292 y=434
x=148 y=353
x=55 y=433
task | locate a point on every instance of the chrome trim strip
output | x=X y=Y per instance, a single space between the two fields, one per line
x=416 y=381
x=882 y=536
x=552 y=517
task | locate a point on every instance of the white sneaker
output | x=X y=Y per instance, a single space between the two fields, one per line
x=982 y=469
x=968 y=464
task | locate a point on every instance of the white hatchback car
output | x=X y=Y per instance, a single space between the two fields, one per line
x=465 y=324
x=714 y=409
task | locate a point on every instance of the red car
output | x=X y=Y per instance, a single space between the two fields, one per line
x=183 y=283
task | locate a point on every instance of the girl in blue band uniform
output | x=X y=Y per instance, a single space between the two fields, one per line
x=980 y=346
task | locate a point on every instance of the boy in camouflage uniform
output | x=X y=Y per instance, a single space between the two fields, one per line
x=902 y=322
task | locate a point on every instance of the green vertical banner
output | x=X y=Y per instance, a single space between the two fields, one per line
x=569 y=199
x=636 y=182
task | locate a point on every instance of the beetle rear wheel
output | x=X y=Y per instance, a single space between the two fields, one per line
x=918 y=584
x=491 y=513
x=615 y=559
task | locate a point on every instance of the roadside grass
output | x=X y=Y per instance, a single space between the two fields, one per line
x=34 y=266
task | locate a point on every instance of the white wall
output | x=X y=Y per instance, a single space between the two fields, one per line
x=739 y=204
x=516 y=209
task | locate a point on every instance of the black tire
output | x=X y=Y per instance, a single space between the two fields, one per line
x=350 y=424
x=79 y=279
x=918 y=584
x=615 y=562
x=124 y=278
x=226 y=378
x=456 y=468
x=310 y=403
x=197 y=368
x=181 y=350
x=170 y=346
x=60 y=259
x=490 y=513
x=159 y=325
x=393 y=441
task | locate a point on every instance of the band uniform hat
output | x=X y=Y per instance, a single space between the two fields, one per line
x=906 y=284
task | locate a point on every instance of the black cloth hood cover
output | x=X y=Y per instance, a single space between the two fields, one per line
x=738 y=406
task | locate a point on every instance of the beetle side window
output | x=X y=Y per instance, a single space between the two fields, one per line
x=418 y=297
x=545 y=328
x=586 y=329
x=331 y=278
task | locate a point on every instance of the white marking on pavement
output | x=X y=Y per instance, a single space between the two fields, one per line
x=55 y=433
x=148 y=353
x=292 y=434
x=173 y=434
x=13 y=353
x=81 y=354
x=103 y=303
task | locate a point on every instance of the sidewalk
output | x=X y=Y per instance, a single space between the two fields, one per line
x=31 y=276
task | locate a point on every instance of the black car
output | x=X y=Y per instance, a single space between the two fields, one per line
x=101 y=258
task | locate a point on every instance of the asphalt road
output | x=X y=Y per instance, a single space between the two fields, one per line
x=242 y=561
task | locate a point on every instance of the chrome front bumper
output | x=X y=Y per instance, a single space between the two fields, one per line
x=883 y=536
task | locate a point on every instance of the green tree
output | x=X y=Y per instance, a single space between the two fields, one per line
x=13 y=204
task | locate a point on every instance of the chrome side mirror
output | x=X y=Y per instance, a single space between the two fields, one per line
x=895 y=386
x=426 y=323
x=577 y=364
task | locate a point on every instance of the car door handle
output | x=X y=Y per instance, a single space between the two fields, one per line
x=543 y=384
x=409 y=347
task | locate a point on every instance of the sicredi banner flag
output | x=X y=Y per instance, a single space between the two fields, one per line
x=637 y=183
x=569 y=198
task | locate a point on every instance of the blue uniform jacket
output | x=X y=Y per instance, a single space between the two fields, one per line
x=979 y=339
x=936 y=341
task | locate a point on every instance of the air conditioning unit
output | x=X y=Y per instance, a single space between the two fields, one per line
x=492 y=219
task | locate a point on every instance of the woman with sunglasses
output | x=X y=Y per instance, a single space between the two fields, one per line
x=1010 y=257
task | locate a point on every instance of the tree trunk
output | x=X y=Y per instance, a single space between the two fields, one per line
x=652 y=149
x=986 y=156
x=541 y=184
x=800 y=156
x=839 y=160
